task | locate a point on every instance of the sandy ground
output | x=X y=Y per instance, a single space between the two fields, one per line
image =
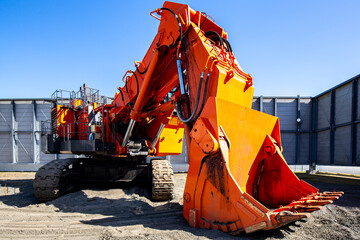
x=100 y=213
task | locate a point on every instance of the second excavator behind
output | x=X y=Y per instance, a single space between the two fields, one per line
x=188 y=84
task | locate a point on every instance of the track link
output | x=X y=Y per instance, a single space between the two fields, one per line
x=162 y=188
x=54 y=179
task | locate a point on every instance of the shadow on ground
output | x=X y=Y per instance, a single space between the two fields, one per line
x=18 y=193
x=130 y=206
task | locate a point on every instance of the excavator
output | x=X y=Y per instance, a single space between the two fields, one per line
x=188 y=85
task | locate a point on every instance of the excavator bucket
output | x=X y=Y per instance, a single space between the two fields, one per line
x=238 y=179
x=244 y=184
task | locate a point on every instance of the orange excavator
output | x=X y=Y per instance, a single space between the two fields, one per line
x=188 y=84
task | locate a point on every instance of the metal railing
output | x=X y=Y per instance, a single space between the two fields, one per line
x=63 y=97
x=85 y=96
x=68 y=131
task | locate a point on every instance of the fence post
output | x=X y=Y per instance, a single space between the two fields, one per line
x=332 y=127
x=35 y=133
x=15 y=152
x=298 y=130
x=313 y=135
x=354 y=106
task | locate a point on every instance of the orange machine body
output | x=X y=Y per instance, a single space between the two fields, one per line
x=64 y=119
x=236 y=169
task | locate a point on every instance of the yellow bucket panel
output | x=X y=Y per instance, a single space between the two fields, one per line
x=171 y=138
x=232 y=90
x=246 y=130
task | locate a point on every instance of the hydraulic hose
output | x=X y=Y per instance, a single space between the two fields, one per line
x=208 y=33
x=196 y=103
x=137 y=83
x=193 y=116
x=137 y=69
x=204 y=97
x=178 y=20
x=179 y=39
x=228 y=46
x=122 y=95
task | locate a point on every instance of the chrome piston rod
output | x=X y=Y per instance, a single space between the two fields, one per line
x=128 y=132
x=156 y=139
x=181 y=80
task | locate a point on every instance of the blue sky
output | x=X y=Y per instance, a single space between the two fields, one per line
x=289 y=47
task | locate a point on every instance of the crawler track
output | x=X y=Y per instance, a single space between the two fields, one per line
x=59 y=177
x=54 y=179
x=162 y=188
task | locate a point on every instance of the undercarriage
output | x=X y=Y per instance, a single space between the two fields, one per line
x=61 y=176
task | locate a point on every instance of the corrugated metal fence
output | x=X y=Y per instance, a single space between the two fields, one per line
x=295 y=115
x=20 y=125
x=336 y=125
x=321 y=130
x=295 y=124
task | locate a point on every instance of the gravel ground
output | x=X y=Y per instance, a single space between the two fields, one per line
x=126 y=213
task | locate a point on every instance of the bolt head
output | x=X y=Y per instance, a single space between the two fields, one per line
x=268 y=149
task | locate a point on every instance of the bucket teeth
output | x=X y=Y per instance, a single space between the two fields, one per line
x=338 y=193
x=311 y=202
x=325 y=196
x=300 y=208
x=286 y=217
x=332 y=194
x=307 y=204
